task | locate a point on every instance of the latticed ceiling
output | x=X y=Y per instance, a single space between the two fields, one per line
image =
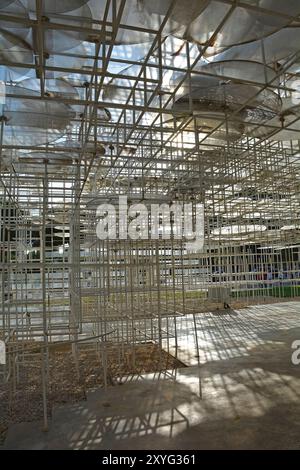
x=159 y=98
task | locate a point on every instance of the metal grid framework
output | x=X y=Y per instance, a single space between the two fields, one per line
x=193 y=101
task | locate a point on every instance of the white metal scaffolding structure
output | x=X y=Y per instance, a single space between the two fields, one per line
x=195 y=101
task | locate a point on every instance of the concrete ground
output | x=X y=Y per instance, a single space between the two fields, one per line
x=250 y=393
